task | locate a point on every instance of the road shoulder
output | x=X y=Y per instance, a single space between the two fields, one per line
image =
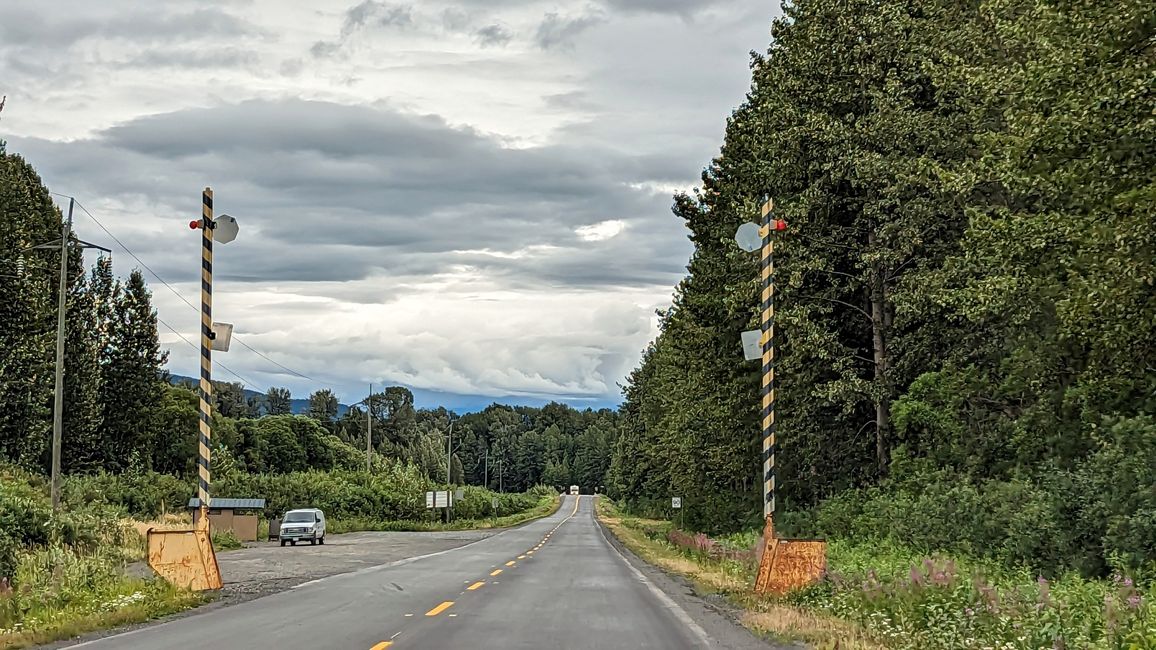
x=266 y=569
x=713 y=613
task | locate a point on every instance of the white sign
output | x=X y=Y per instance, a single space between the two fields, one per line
x=675 y=502
x=222 y=335
x=494 y=503
x=226 y=229
x=752 y=345
x=749 y=237
x=459 y=494
x=439 y=499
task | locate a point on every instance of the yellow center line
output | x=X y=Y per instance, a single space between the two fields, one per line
x=440 y=608
x=495 y=572
x=382 y=646
x=529 y=552
x=520 y=557
x=511 y=563
x=476 y=585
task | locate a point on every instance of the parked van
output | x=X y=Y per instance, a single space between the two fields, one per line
x=303 y=524
x=573 y=489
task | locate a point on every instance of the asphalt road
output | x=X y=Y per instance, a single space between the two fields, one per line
x=556 y=583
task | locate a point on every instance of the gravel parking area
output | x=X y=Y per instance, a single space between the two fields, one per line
x=263 y=568
x=266 y=567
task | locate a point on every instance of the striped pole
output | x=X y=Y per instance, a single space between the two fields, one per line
x=767 y=267
x=207 y=225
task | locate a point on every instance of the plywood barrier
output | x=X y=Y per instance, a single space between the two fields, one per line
x=789 y=564
x=185 y=558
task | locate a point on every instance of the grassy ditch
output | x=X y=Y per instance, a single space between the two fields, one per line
x=884 y=596
x=62 y=575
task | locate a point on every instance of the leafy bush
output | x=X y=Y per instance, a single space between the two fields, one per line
x=1052 y=522
x=142 y=495
x=226 y=541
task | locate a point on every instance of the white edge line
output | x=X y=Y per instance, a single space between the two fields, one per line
x=678 y=612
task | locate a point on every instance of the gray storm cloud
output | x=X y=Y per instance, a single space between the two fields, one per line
x=467 y=197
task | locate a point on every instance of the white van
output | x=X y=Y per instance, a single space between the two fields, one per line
x=573 y=489
x=303 y=524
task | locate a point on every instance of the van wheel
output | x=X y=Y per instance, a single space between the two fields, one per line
x=282 y=543
x=313 y=542
x=321 y=541
x=292 y=542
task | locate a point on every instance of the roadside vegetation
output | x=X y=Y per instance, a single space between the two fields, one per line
x=883 y=595
x=965 y=316
x=62 y=575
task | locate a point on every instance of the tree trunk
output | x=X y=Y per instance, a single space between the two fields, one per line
x=880 y=321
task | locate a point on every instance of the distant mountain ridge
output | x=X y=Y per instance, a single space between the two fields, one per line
x=297 y=406
x=431 y=399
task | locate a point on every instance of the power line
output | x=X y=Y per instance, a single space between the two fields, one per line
x=178 y=294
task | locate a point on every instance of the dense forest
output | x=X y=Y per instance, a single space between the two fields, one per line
x=122 y=415
x=967 y=312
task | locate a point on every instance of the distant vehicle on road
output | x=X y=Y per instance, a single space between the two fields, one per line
x=573 y=489
x=303 y=524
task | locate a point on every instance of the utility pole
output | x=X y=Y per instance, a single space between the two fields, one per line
x=449 y=464
x=65 y=245
x=368 y=429
x=58 y=405
x=487 y=481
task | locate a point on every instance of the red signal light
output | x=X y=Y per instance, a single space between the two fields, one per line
x=780 y=224
x=195 y=224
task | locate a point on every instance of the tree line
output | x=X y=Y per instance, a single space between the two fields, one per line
x=965 y=288
x=122 y=414
x=117 y=407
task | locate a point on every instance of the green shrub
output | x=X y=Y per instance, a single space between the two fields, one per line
x=1054 y=521
x=141 y=495
x=226 y=541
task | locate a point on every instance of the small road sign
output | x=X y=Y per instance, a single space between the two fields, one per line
x=494 y=503
x=675 y=502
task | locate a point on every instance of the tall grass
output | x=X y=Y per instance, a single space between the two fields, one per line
x=63 y=574
x=892 y=596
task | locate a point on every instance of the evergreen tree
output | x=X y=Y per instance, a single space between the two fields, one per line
x=80 y=441
x=229 y=399
x=323 y=406
x=278 y=401
x=133 y=378
x=27 y=310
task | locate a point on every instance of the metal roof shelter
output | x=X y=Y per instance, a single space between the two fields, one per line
x=237 y=515
x=230 y=504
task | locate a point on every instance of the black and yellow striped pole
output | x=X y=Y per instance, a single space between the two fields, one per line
x=767 y=321
x=206 y=424
x=785 y=564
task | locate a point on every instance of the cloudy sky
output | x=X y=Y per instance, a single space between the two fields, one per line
x=467 y=197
